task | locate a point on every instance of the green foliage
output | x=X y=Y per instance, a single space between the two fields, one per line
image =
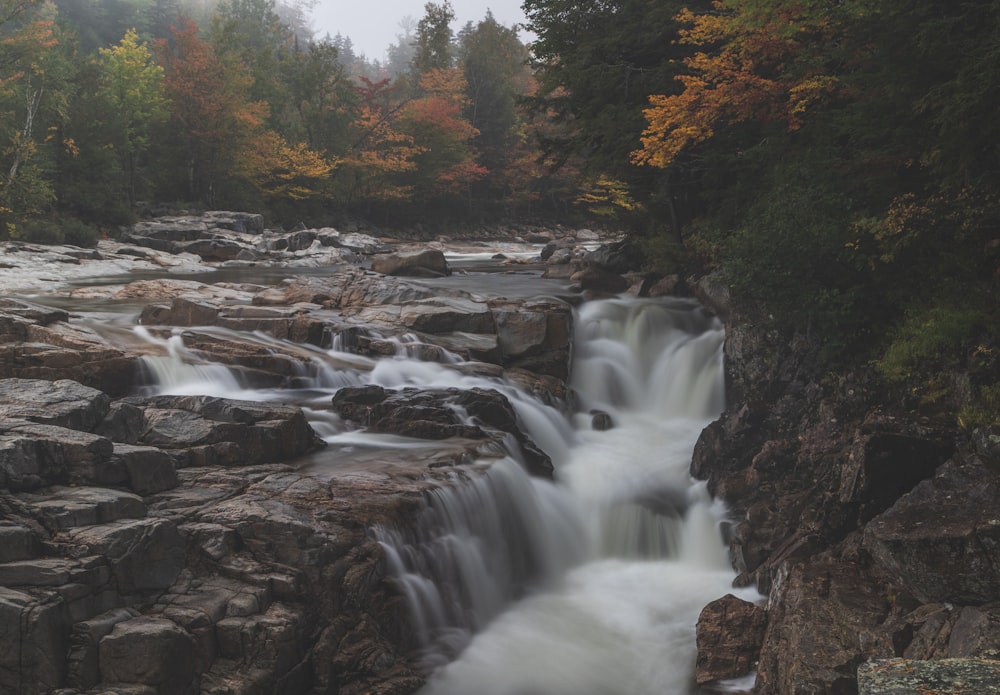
x=931 y=338
x=434 y=49
x=58 y=230
x=983 y=410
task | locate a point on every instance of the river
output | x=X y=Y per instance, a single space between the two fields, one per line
x=590 y=584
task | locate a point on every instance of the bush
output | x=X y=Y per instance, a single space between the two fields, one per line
x=929 y=339
x=58 y=230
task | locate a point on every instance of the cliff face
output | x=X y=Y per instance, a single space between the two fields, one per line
x=872 y=533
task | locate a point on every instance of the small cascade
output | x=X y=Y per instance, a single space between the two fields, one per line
x=478 y=546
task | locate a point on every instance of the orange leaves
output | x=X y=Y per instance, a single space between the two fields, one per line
x=758 y=63
x=283 y=171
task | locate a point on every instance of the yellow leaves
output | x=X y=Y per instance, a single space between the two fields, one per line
x=757 y=65
x=606 y=197
x=284 y=171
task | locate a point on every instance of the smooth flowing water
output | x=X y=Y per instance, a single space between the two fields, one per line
x=589 y=585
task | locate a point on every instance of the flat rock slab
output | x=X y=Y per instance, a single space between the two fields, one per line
x=942 y=677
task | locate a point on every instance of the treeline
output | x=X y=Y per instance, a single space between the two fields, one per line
x=839 y=161
x=236 y=106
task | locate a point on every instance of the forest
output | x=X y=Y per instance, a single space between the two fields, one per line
x=838 y=160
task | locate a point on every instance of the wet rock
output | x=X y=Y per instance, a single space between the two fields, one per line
x=36 y=455
x=942 y=540
x=729 y=634
x=601 y=421
x=427 y=263
x=63 y=403
x=148 y=470
x=439 y=414
x=33 y=346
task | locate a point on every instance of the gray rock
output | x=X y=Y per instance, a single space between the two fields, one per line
x=83 y=660
x=35 y=455
x=942 y=540
x=72 y=507
x=63 y=403
x=145 y=554
x=150 y=651
x=942 y=677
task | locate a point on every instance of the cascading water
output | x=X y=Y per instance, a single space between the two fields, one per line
x=518 y=586
x=637 y=552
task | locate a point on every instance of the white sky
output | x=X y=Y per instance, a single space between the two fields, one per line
x=374 y=24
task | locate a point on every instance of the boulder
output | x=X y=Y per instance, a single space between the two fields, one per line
x=619 y=257
x=426 y=263
x=729 y=635
x=597 y=279
x=942 y=540
x=439 y=414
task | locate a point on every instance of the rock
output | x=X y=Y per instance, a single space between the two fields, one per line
x=535 y=335
x=823 y=620
x=617 y=258
x=941 y=677
x=148 y=470
x=218 y=431
x=427 y=263
x=597 y=279
x=33 y=347
x=63 y=403
x=145 y=554
x=730 y=632
x=438 y=414
x=942 y=540
x=601 y=421
x=83 y=660
x=149 y=651
x=72 y=507
x=35 y=455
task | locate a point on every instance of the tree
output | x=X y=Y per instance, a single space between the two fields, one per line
x=372 y=168
x=433 y=49
x=597 y=64
x=320 y=98
x=211 y=107
x=495 y=65
x=133 y=86
x=30 y=86
x=446 y=164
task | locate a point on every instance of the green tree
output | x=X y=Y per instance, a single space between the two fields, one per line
x=32 y=100
x=597 y=64
x=434 y=38
x=133 y=86
x=497 y=75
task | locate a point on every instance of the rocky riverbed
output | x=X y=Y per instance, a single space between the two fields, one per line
x=184 y=544
x=188 y=543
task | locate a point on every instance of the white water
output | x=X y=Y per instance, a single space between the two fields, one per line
x=591 y=585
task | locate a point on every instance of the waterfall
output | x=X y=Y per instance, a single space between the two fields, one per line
x=590 y=585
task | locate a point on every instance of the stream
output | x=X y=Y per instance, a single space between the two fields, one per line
x=588 y=585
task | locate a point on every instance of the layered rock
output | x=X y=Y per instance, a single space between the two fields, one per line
x=871 y=533
x=191 y=554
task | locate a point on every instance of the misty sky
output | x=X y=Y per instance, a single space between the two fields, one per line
x=374 y=24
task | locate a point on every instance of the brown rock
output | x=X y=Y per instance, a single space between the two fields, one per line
x=730 y=633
